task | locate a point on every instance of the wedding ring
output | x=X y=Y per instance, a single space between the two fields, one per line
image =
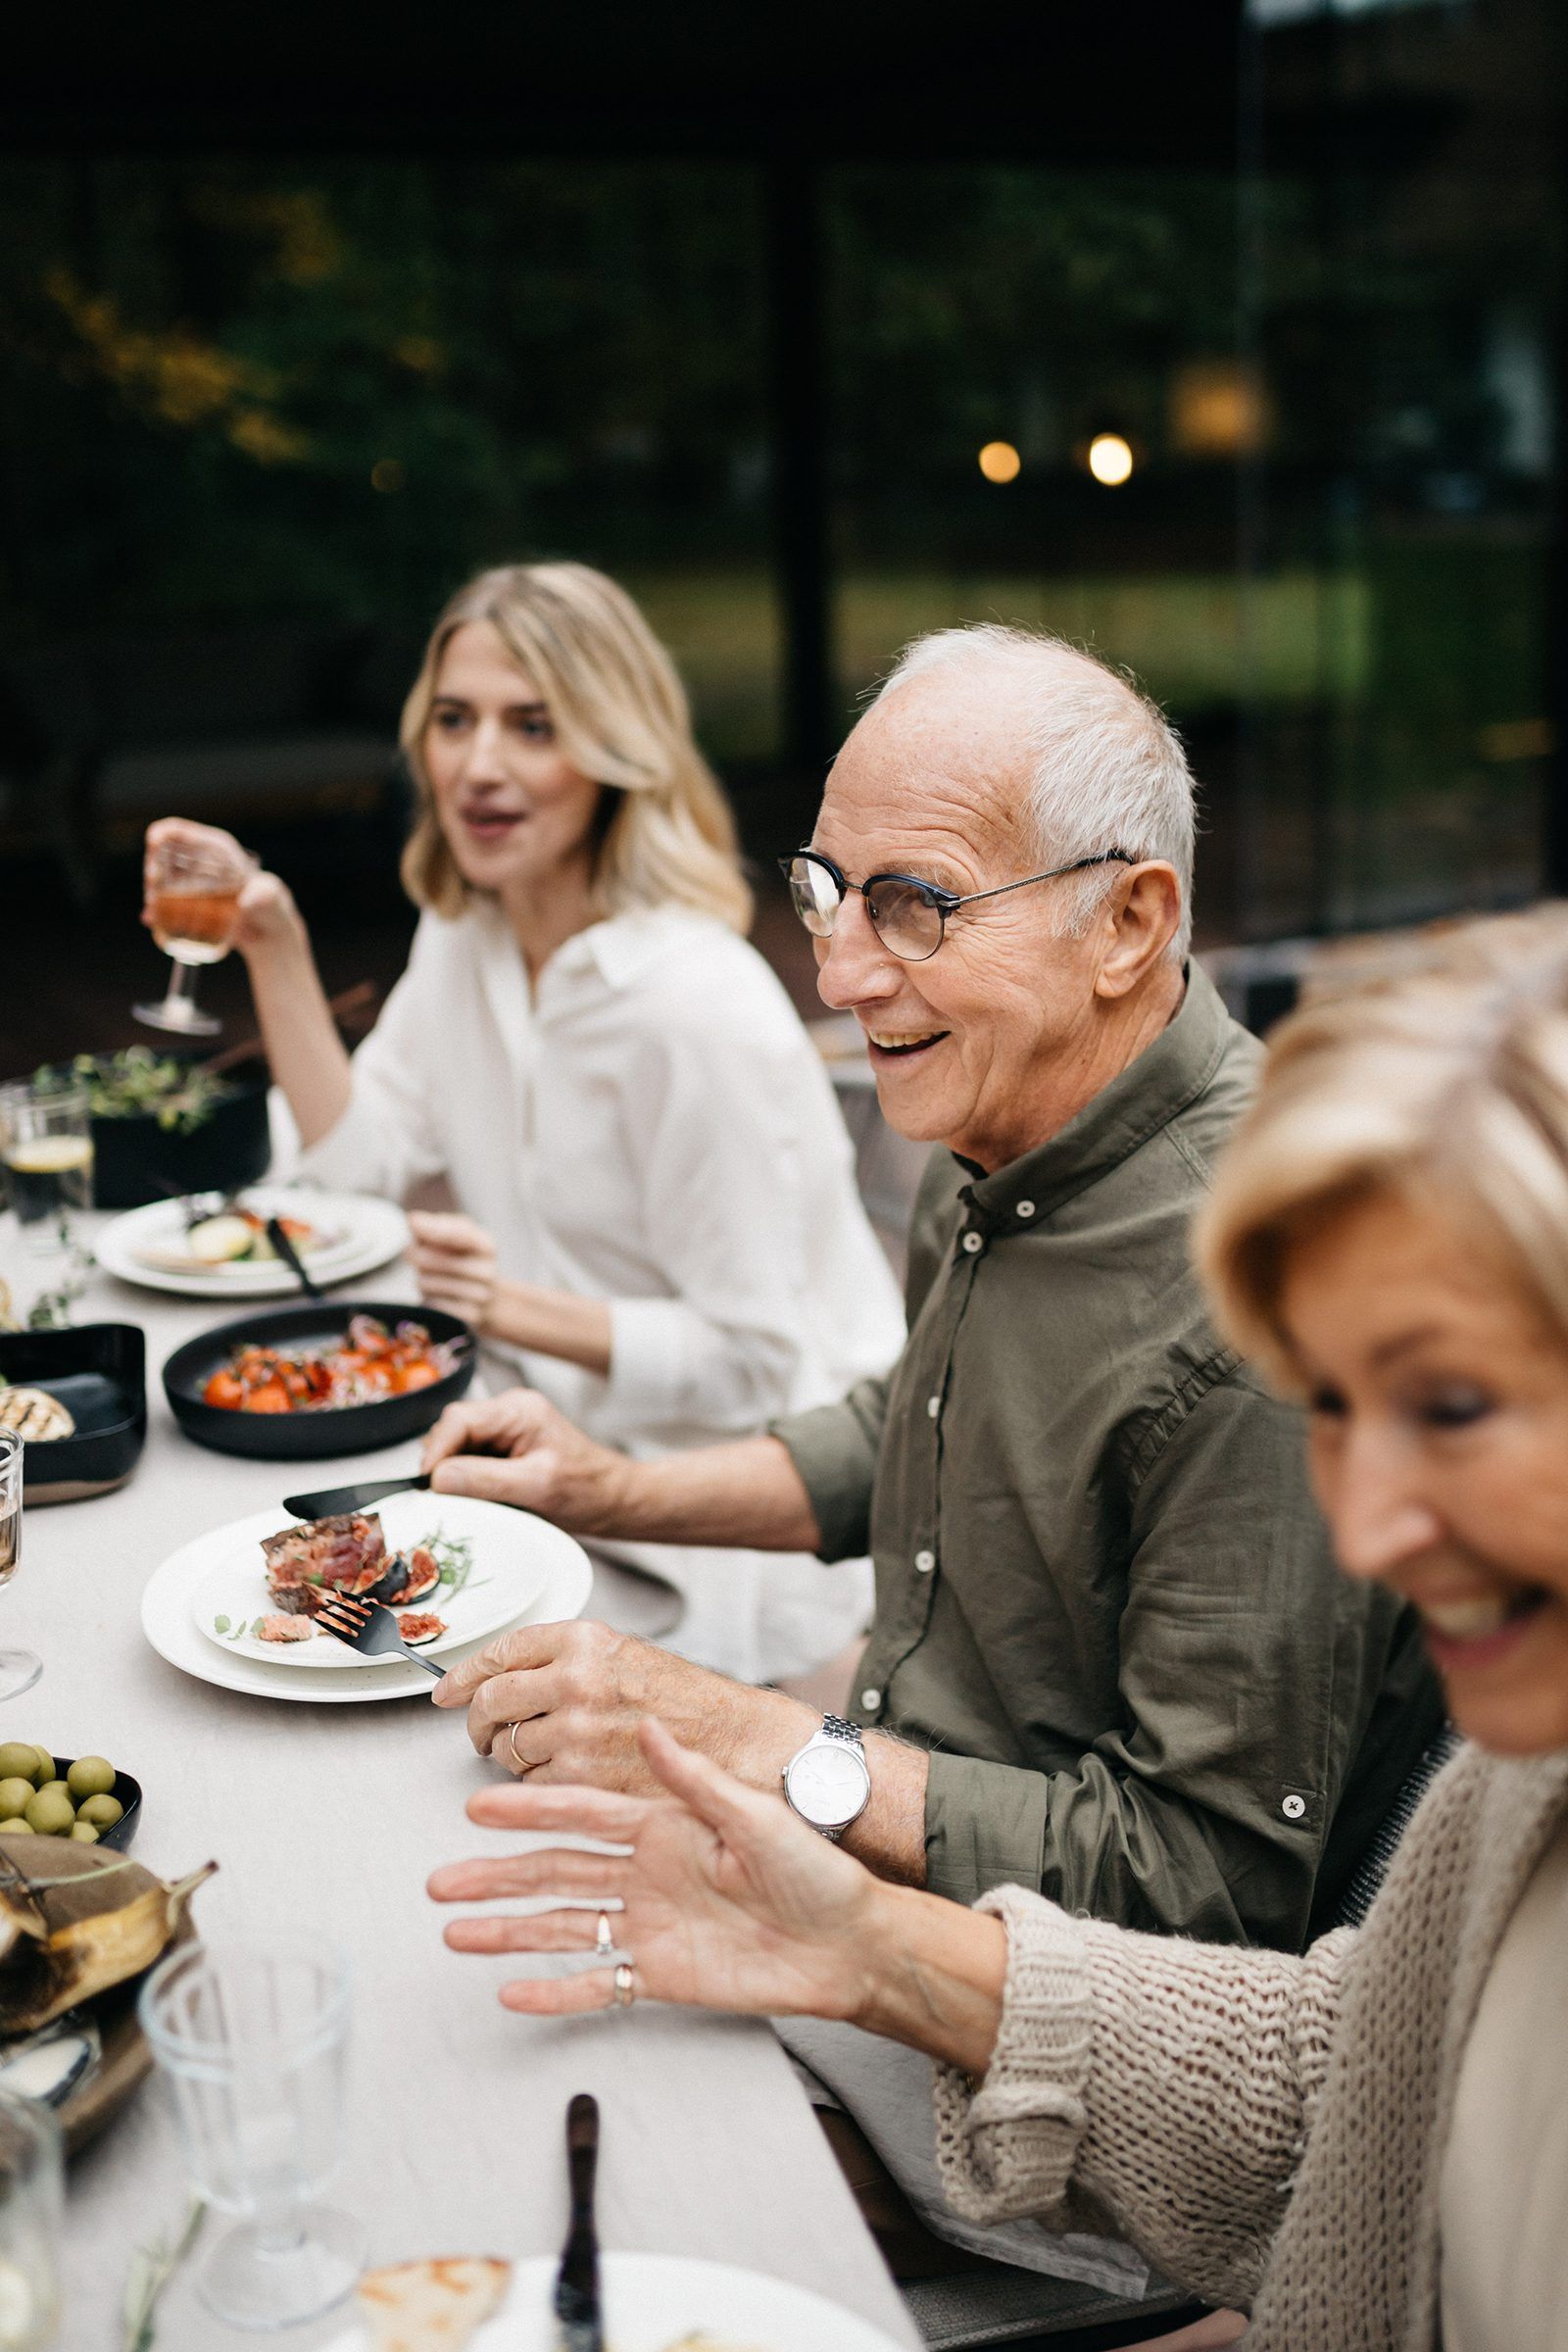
x=624 y=1996
x=603 y=1942
x=521 y=1764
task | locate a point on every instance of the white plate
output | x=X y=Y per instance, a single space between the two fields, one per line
x=564 y=1578
x=365 y=1233
x=653 y=2300
x=507 y=1570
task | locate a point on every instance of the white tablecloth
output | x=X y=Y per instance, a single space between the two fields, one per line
x=328 y=1820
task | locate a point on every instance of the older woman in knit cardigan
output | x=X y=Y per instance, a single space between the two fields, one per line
x=1366 y=2146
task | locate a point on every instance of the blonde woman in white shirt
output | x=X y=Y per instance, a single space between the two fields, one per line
x=658 y=1215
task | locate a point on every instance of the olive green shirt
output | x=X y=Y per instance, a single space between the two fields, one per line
x=1106 y=1600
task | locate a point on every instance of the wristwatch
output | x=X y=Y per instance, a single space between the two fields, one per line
x=828 y=1782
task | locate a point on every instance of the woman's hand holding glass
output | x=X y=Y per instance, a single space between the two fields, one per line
x=264 y=913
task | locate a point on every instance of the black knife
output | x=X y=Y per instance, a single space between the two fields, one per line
x=576 y=2297
x=332 y=1501
x=292 y=1258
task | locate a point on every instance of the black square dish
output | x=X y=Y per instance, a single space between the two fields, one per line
x=99 y=1373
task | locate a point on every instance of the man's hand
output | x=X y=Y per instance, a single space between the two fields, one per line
x=519 y=1449
x=564 y=1703
x=729 y=1902
x=455 y=1260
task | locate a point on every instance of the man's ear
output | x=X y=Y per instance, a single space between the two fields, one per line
x=1141 y=917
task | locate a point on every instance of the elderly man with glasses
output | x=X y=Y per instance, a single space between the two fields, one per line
x=1110 y=1657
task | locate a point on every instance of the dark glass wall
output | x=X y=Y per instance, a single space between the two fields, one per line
x=1402 y=289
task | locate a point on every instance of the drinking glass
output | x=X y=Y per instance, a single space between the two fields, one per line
x=46 y=1145
x=19 y=1669
x=253 y=2037
x=31 y=2198
x=194 y=888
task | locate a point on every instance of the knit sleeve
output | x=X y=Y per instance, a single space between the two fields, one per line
x=1169 y=2084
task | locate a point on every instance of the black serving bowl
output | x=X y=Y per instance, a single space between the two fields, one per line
x=99 y=1373
x=333 y=1431
x=128 y=1793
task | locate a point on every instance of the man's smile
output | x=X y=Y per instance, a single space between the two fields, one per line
x=898 y=1043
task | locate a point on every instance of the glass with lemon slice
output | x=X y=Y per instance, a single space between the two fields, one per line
x=46 y=1150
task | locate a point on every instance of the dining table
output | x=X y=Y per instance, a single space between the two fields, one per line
x=325 y=1822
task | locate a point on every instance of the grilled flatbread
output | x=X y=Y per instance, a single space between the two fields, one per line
x=433 y=2306
x=33 y=1413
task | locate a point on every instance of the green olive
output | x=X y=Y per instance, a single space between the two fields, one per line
x=15 y=1795
x=19 y=1828
x=102 y=1811
x=18 y=1761
x=90 y=1776
x=44 y=1769
x=51 y=1812
x=82 y=1832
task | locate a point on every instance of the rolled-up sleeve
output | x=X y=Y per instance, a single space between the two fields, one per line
x=834 y=1447
x=386 y=1141
x=721 y=1122
x=1203 y=1811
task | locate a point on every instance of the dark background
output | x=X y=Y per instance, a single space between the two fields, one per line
x=305 y=319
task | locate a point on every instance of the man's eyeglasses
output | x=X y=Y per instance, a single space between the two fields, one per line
x=909 y=916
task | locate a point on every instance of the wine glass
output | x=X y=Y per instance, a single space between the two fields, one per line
x=31 y=2203
x=253 y=2038
x=46 y=1147
x=19 y=1669
x=194 y=888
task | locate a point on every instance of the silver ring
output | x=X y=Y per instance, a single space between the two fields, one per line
x=625 y=1993
x=521 y=1764
x=603 y=1942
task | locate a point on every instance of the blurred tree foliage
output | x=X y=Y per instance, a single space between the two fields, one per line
x=240 y=387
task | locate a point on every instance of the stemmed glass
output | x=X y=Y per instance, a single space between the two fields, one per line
x=253 y=2038
x=32 y=2202
x=19 y=1669
x=194 y=889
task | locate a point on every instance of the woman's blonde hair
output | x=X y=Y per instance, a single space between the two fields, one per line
x=621 y=711
x=1446 y=1087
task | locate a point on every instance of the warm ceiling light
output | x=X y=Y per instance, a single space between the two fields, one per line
x=999 y=461
x=1111 y=459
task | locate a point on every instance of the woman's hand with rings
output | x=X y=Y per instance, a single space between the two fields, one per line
x=727 y=1899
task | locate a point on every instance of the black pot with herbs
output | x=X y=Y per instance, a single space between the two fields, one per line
x=161 y=1127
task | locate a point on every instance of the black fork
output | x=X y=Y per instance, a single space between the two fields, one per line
x=370 y=1629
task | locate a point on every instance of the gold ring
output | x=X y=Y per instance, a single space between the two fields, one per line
x=603 y=1942
x=624 y=1994
x=521 y=1764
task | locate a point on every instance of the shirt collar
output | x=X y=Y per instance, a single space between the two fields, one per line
x=1166 y=1079
x=616 y=951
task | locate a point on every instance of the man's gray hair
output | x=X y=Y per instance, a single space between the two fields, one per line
x=1109 y=769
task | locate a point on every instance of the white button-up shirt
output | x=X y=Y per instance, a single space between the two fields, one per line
x=652 y=1128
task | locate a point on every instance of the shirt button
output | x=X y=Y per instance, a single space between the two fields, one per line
x=925 y=1561
x=1294 y=1807
x=870 y=1700
x=1026 y=1209
x=933 y=1405
x=973 y=1242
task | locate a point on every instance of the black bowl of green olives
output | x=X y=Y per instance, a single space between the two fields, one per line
x=81 y=1798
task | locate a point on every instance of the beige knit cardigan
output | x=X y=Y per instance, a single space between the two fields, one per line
x=1270 y=2129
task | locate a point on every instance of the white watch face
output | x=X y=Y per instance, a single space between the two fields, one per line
x=829 y=1784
